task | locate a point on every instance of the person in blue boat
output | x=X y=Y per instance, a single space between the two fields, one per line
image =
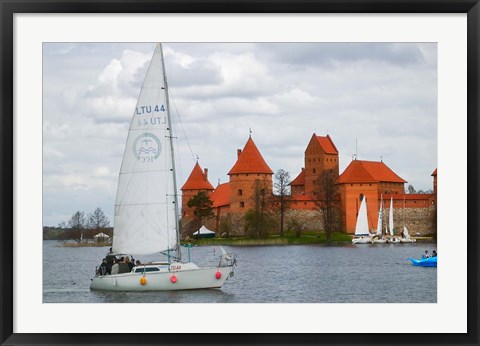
x=426 y=255
x=434 y=254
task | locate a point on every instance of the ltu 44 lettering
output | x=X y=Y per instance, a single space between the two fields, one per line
x=153 y=121
x=149 y=109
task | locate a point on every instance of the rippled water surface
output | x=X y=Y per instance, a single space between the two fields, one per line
x=377 y=273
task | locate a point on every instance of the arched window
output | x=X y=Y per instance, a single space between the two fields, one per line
x=240 y=192
x=361 y=197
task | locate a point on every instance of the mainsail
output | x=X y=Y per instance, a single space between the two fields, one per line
x=361 y=228
x=380 y=217
x=145 y=207
x=390 y=216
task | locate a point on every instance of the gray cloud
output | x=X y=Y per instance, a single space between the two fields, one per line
x=384 y=96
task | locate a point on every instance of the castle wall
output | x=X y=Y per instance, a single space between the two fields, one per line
x=242 y=188
x=188 y=213
x=311 y=220
x=350 y=203
x=419 y=221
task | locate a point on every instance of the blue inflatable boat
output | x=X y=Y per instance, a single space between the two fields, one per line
x=424 y=262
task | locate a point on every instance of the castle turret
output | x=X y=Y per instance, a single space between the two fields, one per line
x=196 y=182
x=320 y=155
x=250 y=166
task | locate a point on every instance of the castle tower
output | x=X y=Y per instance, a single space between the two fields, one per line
x=250 y=166
x=320 y=155
x=297 y=185
x=196 y=182
x=366 y=179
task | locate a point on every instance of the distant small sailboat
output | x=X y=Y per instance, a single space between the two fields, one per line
x=378 y=238
x=146 y=208
x=405 y=234
x=362 y=234
x=392 y=238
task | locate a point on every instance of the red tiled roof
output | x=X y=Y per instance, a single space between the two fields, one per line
x=250 y=161
x=434 y=172
x=299 y=180
x=220 y=196
x=368 y=172
x=197 y=180
x=327 y=144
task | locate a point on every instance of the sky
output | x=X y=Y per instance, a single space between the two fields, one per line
x=377 y=101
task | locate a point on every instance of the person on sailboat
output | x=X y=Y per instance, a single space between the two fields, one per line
x=426 y=255
x=102 y=269
x=123 y=265
x=115 y=267
x=131 y=263
x=110 y=261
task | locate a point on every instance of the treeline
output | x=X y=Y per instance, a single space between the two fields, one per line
x=79 y=227
x=57 y=233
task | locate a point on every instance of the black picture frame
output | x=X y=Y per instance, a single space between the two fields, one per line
x=10 y=7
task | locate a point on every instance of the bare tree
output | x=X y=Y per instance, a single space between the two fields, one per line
x=258 y=221
x=281 y=188
x=77 y=223
x=411 y=189
x=327 y=199
x=98 y=220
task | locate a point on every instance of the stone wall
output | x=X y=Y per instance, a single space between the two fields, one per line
x=311 y=220
x=419 y=221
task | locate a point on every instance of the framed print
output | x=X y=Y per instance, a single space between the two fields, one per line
x=240 y=173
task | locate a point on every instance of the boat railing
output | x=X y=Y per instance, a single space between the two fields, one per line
x=227 y=260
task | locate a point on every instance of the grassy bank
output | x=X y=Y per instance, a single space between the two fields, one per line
x=288 y=239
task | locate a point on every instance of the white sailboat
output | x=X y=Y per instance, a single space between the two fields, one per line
x=405 y=234
x=392 y=238
x=362 y=235
x=146 y=207
x=378 y=238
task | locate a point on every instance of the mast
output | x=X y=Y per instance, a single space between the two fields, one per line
x=170 y=131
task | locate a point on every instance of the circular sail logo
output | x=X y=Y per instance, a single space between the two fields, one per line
x=147 y=147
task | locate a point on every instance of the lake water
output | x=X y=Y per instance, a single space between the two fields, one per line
x=377 y=273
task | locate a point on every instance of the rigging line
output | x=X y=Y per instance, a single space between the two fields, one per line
x=181 y=123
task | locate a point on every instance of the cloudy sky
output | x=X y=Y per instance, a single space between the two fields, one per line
x=376 y=99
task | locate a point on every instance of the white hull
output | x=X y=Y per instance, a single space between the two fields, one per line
x=188 y=277
x=362 y=240
x=393 y=240
x=379 y=241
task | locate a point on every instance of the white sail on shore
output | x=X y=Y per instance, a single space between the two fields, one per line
x=380 y=217
x=390 y=216
x=146 y=187
x=361 y=228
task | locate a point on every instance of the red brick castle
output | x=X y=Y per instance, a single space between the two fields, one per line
x=372 y=180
